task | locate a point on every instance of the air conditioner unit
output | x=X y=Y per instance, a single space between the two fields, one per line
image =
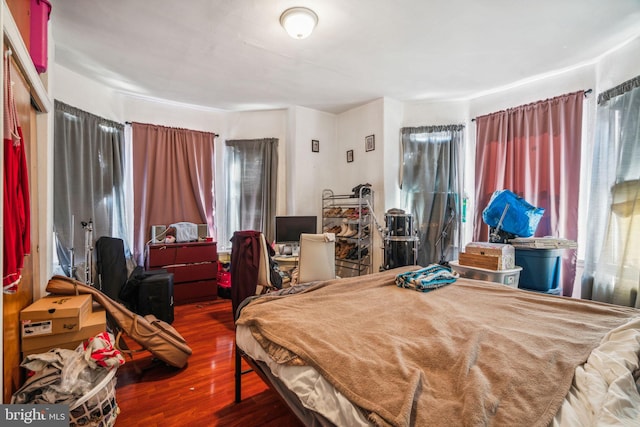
x=158 y=233
x=203 y=231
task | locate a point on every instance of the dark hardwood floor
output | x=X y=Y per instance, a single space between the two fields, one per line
x=201 y=394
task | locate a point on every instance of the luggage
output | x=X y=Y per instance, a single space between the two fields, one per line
x=155 y=295
x=111 y=266
x=155 y=335
x=149 y=292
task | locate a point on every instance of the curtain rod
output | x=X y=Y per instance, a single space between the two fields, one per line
x=215 y=134
x=586 y=92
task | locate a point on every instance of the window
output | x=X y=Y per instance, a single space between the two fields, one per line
x=250 y=177
x=88 y=185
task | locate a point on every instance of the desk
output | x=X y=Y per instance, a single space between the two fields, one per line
x=287 y=264
x=286 y=259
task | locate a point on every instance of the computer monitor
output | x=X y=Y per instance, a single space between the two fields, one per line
x=289 y=228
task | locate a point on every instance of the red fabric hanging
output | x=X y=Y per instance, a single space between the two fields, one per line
x=17 y=234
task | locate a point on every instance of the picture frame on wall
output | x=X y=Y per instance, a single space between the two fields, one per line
x=349 y=156
x=370 y=143
x=315 y=146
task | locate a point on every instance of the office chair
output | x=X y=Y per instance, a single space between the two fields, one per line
x=317 y=259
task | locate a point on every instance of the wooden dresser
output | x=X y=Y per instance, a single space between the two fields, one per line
x=194 y=266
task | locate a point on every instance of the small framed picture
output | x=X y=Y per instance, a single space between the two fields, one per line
x=315 y=145
x=349 y=156
x=370 y=143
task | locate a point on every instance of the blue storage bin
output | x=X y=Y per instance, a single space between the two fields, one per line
x=540 y=268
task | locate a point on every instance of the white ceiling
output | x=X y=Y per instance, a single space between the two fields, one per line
x=233 y=55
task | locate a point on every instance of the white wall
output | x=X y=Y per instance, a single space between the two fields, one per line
x=367 y=166
x=311 y=172
x=618 y=65
x=353 y=127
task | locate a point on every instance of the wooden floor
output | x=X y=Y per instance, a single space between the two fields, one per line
x=201 y=394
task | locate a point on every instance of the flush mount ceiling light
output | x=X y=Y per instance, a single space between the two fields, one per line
x=299 y=22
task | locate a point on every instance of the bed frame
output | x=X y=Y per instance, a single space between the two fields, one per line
x=307 y=417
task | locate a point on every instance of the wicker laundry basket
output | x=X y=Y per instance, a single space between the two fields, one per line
x=98 y=407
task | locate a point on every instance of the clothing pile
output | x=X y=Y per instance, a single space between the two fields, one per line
x=62 y=376
x=426 y=279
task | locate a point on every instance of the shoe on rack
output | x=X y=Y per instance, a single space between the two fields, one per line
x=352 y=231
x=344 y=228
x=348 y=212
x=346 y=249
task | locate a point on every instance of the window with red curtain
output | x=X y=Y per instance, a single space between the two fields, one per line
x=173 y=179
x=534 y=151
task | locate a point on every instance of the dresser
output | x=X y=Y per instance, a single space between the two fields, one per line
x=194 y=266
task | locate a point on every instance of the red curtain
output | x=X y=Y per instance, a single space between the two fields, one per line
x=534 y=151
x=173 y=174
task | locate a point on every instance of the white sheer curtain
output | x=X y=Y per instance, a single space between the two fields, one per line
x=612 y=258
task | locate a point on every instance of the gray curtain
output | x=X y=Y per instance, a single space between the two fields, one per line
x=612 y=258
x=88 y=182
x=251 y=186
x=432 y=188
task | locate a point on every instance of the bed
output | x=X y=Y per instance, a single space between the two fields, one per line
x=361 y=351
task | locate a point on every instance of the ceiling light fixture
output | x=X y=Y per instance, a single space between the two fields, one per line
x=299 y=22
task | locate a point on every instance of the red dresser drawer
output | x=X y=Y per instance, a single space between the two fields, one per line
x=193 y=272
x=194 y=267
x=194 y=253
x=160 y=255
x=195 y=291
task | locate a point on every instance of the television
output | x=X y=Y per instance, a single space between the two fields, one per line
x=289 y=228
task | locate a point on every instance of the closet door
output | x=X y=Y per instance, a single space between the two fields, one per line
x=14 y=303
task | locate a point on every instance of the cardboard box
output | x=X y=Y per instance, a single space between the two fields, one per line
x=504 y=253
x=95 y=323
x=72 y=345
x=55 y=315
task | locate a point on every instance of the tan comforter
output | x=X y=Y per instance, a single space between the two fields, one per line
x=471 y=353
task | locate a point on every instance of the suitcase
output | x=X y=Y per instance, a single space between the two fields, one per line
x=155 y=295
x=111 y=266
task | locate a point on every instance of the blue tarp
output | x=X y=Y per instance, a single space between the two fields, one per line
x=521 y=218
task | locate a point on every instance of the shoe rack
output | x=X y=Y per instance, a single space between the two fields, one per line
x=348 y=217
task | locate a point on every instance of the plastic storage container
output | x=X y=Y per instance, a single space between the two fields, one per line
x=540 y=268
x=506 y=277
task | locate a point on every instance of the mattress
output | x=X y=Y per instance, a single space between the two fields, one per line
x=604 y=391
